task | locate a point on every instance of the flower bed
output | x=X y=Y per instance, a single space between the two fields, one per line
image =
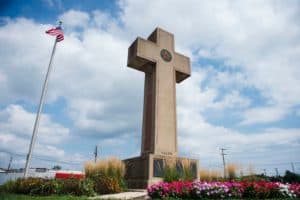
x=223 y=190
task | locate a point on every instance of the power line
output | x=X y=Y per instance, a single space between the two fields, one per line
x=42 y=158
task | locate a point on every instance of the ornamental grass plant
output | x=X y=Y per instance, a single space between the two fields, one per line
x=177 y=170
x=186 y=173
x=210 y=174
x=231 y=171
x=170 y=172
x=107 y=174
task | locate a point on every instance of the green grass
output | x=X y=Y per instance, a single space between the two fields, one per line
x=27 y=197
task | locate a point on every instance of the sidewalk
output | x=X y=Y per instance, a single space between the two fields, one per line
x=139 y=195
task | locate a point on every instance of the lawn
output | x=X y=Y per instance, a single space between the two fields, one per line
x=27 y=197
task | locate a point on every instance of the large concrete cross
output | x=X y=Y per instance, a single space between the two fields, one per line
x=163 y=67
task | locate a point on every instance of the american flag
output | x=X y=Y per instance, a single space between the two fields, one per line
x=56 y=32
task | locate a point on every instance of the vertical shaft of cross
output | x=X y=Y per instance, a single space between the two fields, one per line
x=166 y=131
x=149 y=111
x=163 y=67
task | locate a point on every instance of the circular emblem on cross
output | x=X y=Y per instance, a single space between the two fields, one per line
x=166 y=55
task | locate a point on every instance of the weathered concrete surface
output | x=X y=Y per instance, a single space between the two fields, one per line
x=163 y=68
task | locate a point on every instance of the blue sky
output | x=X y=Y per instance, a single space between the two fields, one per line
x=243 y=94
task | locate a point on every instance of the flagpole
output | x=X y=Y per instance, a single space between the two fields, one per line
x=37 y=119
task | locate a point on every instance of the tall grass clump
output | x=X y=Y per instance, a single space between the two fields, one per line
x=170 y=172
x=250 y=169
x=108 y=175
x=210 y=175
x=177 y=170
x=187 y=173
x=231 y=170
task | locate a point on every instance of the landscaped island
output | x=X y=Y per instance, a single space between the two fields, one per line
x=224 y=190
x=107 y=176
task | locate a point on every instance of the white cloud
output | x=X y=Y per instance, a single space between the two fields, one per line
x=199 y=139
x=263 y=115
x=57 y=4
x=16 y=126
x=14 y=120
x=75 y=19
x=191 y=95
x=23 y=60
x=233 y=100
x=298 y=112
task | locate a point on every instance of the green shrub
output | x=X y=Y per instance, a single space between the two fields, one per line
x=171 y=174
x=8 y=187
x=175 y=170
x=77 y=187
x=108 y=175
x=107 y=185
x=46 y=187
x=291 y=177
x=28 y=185
x=87 y=187
x=170 y=171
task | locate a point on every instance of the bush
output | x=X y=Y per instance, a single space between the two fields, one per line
x=45 y=187
x=108 y=175
x=291 y=177
x=28 y=185
x=8 y=187
x=77 y=187
x=262 y=190
x=107 y=185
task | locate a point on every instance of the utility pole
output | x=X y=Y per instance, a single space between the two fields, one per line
x=276 y=170
x=9 y=164
x=96 y=153
x=224 y=164
x=293 y=168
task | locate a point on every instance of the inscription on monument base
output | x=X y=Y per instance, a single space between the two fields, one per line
x=158 y=167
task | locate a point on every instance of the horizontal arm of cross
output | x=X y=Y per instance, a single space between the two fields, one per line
x=182 y=67
x=140 y=53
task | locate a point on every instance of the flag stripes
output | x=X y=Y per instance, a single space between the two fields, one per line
x=56 y=32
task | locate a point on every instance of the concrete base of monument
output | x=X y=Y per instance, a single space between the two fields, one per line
x=146 y=170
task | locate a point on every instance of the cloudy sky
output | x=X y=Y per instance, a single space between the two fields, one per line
x=243 y=95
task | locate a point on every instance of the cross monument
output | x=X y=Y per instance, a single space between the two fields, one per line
x=163 y=68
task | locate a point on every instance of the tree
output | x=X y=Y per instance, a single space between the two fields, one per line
x=291 y=177
x=56 y=167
